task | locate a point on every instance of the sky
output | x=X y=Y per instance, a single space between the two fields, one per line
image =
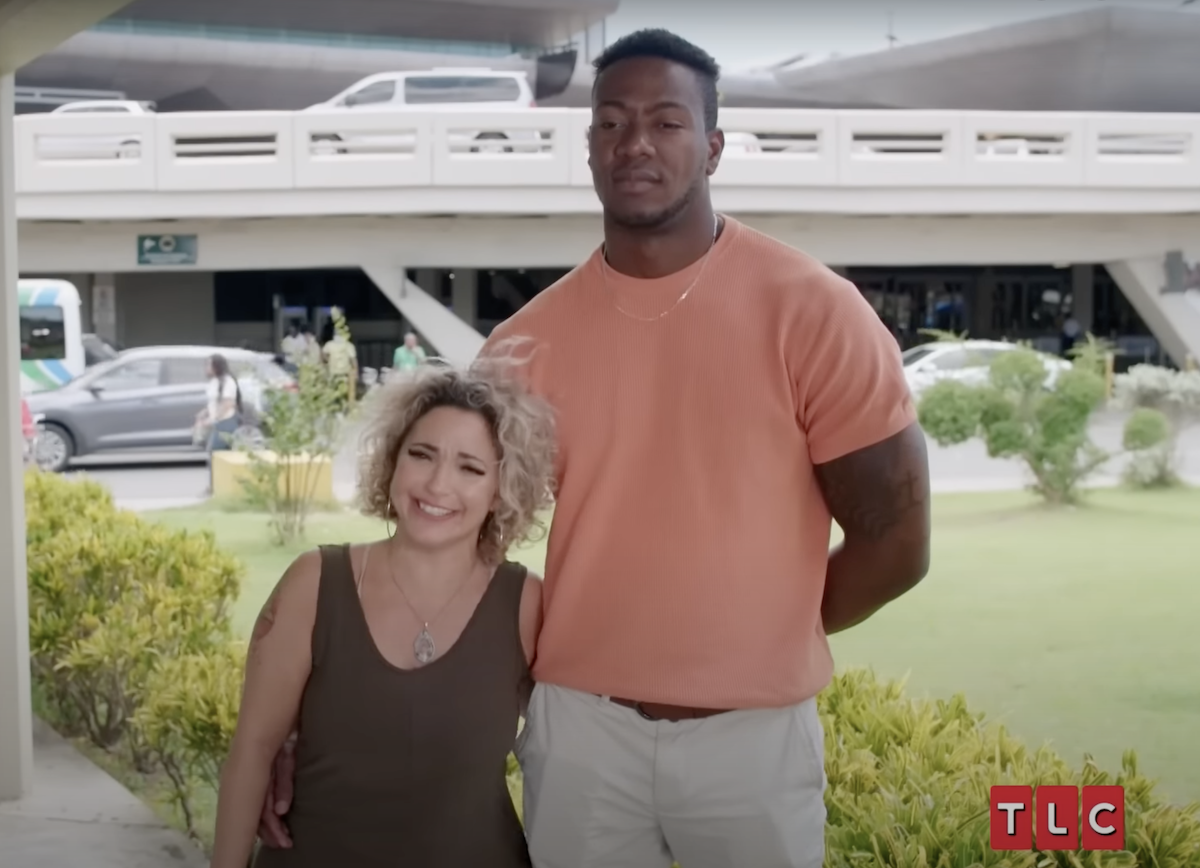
x=743 y=34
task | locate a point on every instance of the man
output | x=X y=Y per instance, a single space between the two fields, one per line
x=409 y=355
x=689 y=586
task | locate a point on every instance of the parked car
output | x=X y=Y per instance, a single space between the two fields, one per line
x=965 y=361
x=121 y=146
x=145 y=398
x=472 y=89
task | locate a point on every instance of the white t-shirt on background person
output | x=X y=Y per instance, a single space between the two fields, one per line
x=222 y=399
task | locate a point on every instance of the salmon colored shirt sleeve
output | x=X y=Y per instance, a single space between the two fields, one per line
x=851 y=390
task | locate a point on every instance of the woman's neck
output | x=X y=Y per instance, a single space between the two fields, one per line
x=650 y=253
x=430 y=568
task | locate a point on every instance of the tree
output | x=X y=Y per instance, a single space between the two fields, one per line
x=1019 y=415
x=301 y=434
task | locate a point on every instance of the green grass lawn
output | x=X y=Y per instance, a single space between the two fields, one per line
x=1074 y=626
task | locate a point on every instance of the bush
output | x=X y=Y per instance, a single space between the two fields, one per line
x=1017 y=416
x=1164 y=403
x=187 y=720
x=909 y=786
x=109 y=596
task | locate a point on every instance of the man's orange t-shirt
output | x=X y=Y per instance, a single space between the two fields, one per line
x=687 y=556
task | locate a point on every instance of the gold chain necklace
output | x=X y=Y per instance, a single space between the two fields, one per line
x=604 y=271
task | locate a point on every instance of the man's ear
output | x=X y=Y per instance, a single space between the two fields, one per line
x=716 y=147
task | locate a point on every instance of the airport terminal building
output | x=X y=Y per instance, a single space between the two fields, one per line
x=285 y=56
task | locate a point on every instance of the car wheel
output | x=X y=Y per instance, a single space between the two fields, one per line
x=55 y=447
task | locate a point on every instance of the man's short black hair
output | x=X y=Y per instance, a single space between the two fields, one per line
x=665 y=45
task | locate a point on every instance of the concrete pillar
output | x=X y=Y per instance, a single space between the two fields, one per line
x=1083 y=295
x=16 y=725
x=981 y=306
x=464 y=298
x=430 y=280
x=1173 y=317
x=104 y=307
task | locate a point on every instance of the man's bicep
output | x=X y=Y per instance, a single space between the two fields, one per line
x=881 y=490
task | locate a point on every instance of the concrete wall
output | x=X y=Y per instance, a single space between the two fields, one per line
x=165 y=308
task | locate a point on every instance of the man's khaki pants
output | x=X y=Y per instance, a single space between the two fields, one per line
x=606 y=788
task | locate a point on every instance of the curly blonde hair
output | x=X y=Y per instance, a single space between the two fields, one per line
x=522 y=428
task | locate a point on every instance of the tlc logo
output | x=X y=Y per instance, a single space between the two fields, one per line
x=1012 y=821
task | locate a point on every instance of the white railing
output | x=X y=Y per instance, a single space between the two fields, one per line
x=260 y=151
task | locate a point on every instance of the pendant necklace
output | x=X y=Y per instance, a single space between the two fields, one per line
x=604 y=271
x=424 y=648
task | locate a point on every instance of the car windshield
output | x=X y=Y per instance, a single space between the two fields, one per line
x=914 y=354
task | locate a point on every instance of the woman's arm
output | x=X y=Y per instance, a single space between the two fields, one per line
x=530 y=625
x=277 y=668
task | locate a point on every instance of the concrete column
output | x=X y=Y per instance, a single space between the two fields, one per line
x=1083 y=295
x=982 y=305
x=430 y=280
x=16 y=726
x=464 y=299
x=104 y=306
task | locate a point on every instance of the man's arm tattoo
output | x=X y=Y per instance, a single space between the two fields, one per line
x=874 y=490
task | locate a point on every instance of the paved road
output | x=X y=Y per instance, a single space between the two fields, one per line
x=158 y=480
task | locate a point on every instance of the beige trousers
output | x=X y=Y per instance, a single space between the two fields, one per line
x=606 y=788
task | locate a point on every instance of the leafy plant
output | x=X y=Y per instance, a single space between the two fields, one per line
x=109 y=596
x=1017 y=415
x=1164 y=404
x=188 y=718
x=302 y=431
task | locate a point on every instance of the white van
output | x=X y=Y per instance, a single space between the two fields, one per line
x=51 y=334
x=467 y=89
x=462 y=90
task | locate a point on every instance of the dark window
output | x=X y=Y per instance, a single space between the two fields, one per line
x=434 y=90
x=184 y=371
x=380 y=91
x=42 y=333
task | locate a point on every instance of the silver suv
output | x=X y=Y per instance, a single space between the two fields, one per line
x=145 y=398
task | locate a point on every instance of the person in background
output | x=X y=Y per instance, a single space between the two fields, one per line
x=409 y=355
x=292 y=346
x=341 y=358
x=312 y=347
x=223 y=409
x=405 y=661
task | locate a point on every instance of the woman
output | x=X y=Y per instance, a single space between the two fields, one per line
x=222 y=413
x=406 y=660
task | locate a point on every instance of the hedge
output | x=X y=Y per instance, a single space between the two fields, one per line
x=132 y=638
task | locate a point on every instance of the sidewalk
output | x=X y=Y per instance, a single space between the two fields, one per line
x=79 y=817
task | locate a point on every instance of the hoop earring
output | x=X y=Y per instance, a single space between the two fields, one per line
x=387 y=519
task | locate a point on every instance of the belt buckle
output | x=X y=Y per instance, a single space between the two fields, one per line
x=637 y=706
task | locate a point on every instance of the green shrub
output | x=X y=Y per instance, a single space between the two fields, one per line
x=1164 y=404
x=109 y=596
x=187 y=720
x=54 y=503
x=1017 y=416
x=909 y=785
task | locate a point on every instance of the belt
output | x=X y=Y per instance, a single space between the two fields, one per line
x=662 y=711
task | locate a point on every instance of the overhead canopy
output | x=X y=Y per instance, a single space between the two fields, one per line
x=1113 y=59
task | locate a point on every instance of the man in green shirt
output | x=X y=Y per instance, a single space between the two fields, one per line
x=409 y=355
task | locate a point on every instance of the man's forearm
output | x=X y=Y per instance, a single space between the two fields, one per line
x=861 y=579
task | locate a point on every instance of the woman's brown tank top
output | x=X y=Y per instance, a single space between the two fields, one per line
x=400 y=767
